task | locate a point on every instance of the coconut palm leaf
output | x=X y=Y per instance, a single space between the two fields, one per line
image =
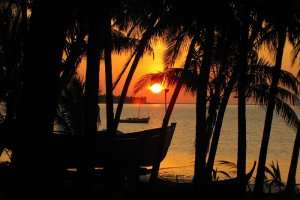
x=69 y=114
x=267 y=38
x=224 y=173
x=216 y=174
x=260 y=94
x=286 y=112
x=64 y=118
x=262 y=72
x=226 y=163
x=175 y=45
x=169 y=77
x=273 y=176
x=122 y=43
x=295 y=51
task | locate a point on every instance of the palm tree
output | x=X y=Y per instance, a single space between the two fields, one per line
x=218 y=125
x=282 y=28
x=259 y=76
x=250 y=25
x=108 y=73
x=76 y=47
x=13 y=28
x=152 y=20
x=92 y=75
x=41 y=59
x=205 y=42
x=175 y=94
x=291 y=181
x=91 y=91
x=242 y=82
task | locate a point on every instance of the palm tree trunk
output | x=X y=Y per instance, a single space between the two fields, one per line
x=124 y=68
x=217 y=129
x=108 y=76
x=260 y=175
x=90 y=99
x=155 y=170
x=212 y=114
x=291 y=181
x=214 y=105
x=242 y=82
x=38 y=101
x=179 y=84
x=201 y=101
x=139 y=53
x=92 y=80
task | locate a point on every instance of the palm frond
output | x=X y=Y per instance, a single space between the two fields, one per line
x=287 y=96
x=224 y=173
x=262 y=72
x=286 y=112
x=174 y=48
x=268 y=40
x=260 y=93
x=121 y=43
x=273 y=176
x=64 y=118
x=227 y=163
x=168 y=77
x=295 y=51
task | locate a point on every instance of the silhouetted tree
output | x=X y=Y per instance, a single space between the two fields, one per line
x=38 y=101
x=281 y=29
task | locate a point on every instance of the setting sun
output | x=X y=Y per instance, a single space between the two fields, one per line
x=156 y=88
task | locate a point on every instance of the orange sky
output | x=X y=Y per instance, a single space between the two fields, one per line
x=150 y=64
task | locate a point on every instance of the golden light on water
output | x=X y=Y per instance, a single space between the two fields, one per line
x=156 y=88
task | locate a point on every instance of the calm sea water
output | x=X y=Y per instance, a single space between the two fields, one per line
x=180 y=157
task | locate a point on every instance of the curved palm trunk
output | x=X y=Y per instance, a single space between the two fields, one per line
x=217 y=129
x=291 y=181
x=123 y=70
x=139 y=53
x=201 y=100
x=173 y=99
x=108 y=76
x=212 y=115
x=259 y=184
x=214 y=105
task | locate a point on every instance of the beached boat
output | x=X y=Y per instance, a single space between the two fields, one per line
x=141 y=148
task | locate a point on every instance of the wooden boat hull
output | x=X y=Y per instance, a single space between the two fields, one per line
x=139 y=148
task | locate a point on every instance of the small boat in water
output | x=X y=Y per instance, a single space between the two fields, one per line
x=135 y=120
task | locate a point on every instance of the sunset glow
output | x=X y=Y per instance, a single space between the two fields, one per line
x=156 y=88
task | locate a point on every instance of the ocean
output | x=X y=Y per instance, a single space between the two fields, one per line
x=179 y=162
x=180 y=158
